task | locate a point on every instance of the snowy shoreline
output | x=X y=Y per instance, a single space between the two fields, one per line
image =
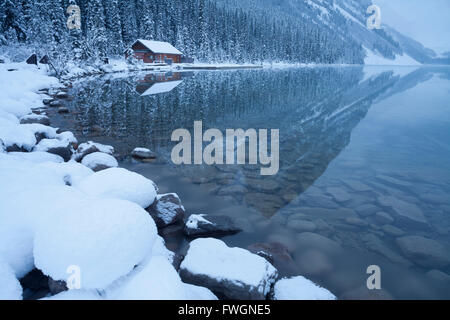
x=65 y=206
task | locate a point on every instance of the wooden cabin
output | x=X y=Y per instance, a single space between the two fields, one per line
x=150 y=51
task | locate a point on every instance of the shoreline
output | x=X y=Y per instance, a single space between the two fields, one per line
x=59 y=152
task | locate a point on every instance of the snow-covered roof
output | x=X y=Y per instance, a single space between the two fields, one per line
x=160 y=46
x=162 y=87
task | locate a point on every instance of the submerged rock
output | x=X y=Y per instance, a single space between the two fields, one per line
x=384 y=218
x=233 y=273
x=362 y=293
x=406 y=212
x=208 y=225
x=166 y=210
x=439 y=276
x=425 y=252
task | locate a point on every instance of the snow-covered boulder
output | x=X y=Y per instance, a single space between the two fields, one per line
x=99 y=161
x=35 y=118
x=300 y=288
x=10 y=288
x=72 y=171
x=41 y=131
x=91 y=147
x=120 y=183
x=200 y=225
x=104 y=238
x=166 y=210
x=16 y=137
x=233 y=272
x=143 y=154
x=55 y=146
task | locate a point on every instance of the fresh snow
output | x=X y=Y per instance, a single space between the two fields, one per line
x=160 y=46
x=47 y=144
x=105 y=238
x=300 y=288
x=75 y=295
x=119 y=183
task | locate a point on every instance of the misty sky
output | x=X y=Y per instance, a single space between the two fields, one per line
x=427 y=21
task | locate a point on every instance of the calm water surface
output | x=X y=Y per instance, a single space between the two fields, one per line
x=364 y=162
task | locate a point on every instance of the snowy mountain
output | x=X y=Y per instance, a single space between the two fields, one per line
x=292 y=31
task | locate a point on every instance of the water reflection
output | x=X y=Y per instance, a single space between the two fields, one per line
x=347 y=174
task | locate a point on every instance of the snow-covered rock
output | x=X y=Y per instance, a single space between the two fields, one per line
x=300 y=288
x=35 y=118
x=99 y=161
x=200 y=225
x=10 y=288
x=104 y=238
x=198 y=293
x=67 y=137
x=233 y=272
x=120 y=183
x=166 y=210
x=91 y=147
x=55 y=146
x=143 y=153
x=41 y=131
x=16 y=137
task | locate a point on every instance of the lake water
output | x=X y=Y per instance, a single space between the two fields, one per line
x=364 y=164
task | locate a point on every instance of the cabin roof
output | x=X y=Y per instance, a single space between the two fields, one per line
x=159 y=46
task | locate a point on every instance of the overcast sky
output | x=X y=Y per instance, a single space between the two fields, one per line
x=427 y=21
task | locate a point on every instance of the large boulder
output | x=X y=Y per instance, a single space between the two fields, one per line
x=99 y=161
x=232 y=273
x=200 y=225
x=104 y=239
x=300 y=288
x=166 y=210
x=425 y=252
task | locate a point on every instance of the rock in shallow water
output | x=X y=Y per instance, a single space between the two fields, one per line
x=406 y=212
x=277 y=254
x=210 y=226
x=233 y=273
x=166 y=210
x=425 y=252
x=143 y=154
x=91 y=147
x=35 y=118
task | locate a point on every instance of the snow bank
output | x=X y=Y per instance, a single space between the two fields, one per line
x=105 y=238
x=10 y=288
x=300 y=288
x=17 y=94
x=119 y=183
